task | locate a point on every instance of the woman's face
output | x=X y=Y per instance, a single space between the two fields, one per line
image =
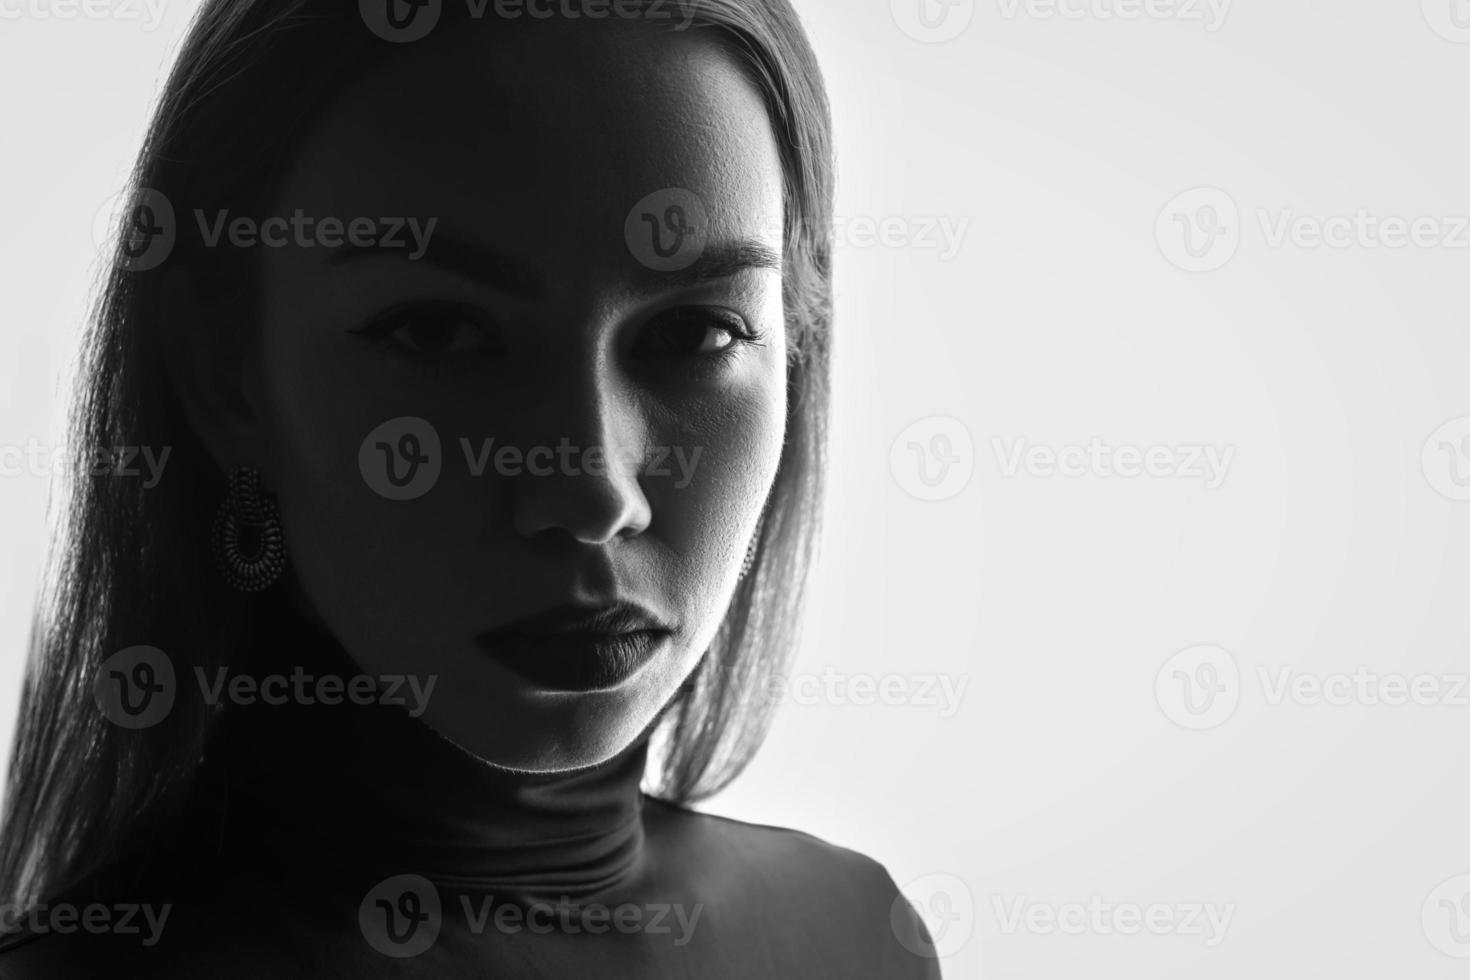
x=600 y=413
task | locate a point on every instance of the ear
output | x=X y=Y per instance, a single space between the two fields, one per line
x=206 y=350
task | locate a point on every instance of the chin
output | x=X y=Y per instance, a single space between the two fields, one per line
x=561 y=735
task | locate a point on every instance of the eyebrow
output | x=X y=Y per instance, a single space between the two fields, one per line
x=719 y=260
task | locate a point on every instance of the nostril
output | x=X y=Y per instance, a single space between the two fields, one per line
x=592 y=507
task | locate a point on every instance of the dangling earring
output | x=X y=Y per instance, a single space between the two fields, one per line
x=755 y=541
x=249 y=544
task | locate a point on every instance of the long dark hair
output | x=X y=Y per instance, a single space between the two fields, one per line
x=132 y=567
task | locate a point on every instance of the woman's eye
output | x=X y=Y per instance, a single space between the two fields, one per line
x=435 y=331
x=695 y=333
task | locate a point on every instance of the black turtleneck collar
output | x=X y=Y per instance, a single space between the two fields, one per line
x=371 y=791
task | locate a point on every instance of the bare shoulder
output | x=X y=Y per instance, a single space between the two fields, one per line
x=820 y=889
x=793 y=856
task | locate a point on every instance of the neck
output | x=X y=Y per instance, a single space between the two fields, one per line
x=369 y=789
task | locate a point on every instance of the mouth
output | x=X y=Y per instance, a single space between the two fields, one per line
x=577 y=649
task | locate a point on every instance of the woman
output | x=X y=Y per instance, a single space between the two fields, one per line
x=489 y=345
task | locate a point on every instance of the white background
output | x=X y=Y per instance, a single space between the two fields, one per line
x=1059 y=141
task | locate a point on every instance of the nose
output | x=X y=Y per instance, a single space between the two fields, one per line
x=581 y=473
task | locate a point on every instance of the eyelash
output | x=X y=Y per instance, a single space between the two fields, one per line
x=382 y=327
x=742 y=335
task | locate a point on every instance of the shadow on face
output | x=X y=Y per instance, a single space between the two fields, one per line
x=547 y=367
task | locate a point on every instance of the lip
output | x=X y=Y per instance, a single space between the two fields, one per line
x=577 y=648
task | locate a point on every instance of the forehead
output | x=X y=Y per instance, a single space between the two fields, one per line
x=539 y=139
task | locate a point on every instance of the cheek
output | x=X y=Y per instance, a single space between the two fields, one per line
x=717 y=473
x=706 y=513
x=365 y=552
